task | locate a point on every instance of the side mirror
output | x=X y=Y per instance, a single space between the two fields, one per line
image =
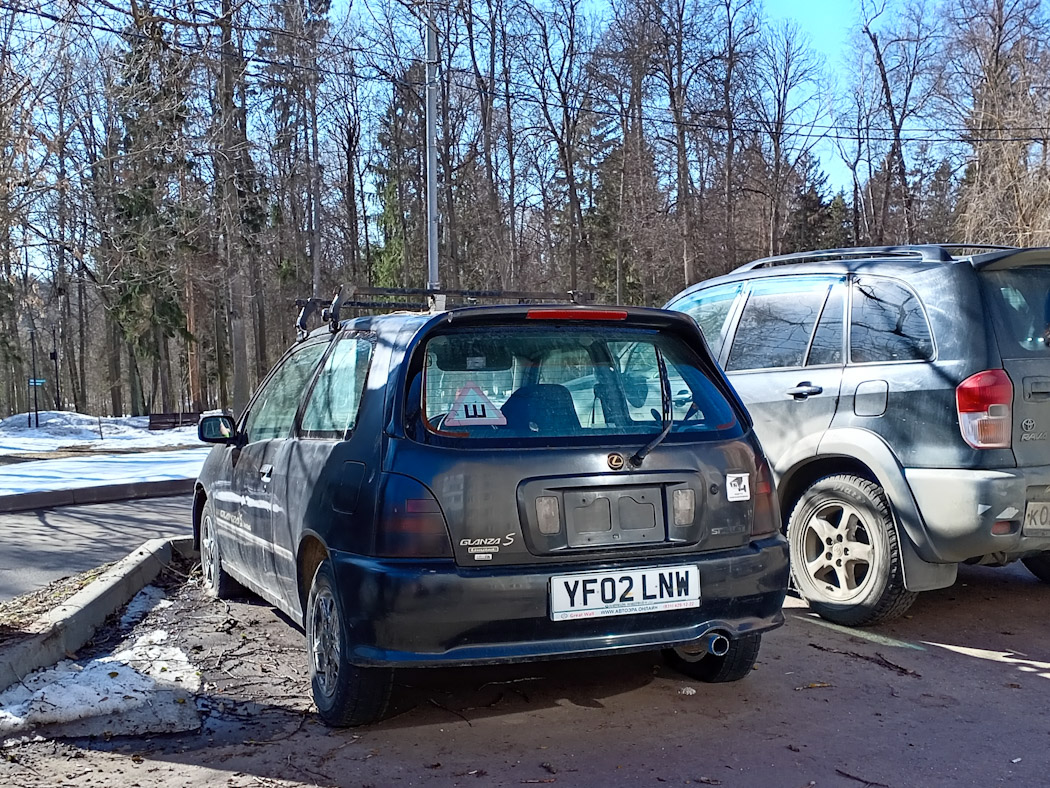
x=217 y=429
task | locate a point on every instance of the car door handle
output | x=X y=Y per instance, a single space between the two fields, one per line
x=803 y=390
x=1036 y=389
x=265 y=472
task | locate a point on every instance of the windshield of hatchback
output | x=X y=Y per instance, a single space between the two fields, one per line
x=1020 y=299
x=575 y=382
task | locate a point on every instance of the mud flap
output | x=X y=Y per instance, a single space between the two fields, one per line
x=921 y=575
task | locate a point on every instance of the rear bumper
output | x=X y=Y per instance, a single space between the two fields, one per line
x=418 y=613
x=959 y=508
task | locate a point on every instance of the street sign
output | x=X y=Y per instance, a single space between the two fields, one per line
x=37 y=381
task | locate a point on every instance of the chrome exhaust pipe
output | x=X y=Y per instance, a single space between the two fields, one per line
x=716 y=644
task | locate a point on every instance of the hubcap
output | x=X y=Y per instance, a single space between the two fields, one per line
x=208 y=551
x=324 y=637
x=838 y=554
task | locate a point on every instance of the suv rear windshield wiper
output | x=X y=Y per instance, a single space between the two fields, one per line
x=665 y=413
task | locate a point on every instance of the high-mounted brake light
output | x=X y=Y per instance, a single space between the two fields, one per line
x=985 y=405
x=576 y=314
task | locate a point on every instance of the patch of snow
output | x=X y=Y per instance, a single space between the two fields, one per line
x=118 y=683
x=59 y=429
x=146 y=600
x=100 y=469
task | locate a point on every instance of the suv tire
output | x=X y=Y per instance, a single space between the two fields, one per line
x=1038 y=565
x=217 y=583
x=736 y=663
x=345 y=694
x=845 y=557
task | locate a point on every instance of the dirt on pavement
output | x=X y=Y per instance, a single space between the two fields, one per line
x=955 y=694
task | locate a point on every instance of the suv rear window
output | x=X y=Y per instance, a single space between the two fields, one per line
x=1020 y=300
x=566 y=384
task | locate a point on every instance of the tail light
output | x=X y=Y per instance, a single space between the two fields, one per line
x=767 y=508
x=410 y=523
x=985 y=405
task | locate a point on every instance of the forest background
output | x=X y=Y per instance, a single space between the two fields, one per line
x=173 y=175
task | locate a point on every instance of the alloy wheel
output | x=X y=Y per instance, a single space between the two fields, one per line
x=324 y=641
x=837 y=551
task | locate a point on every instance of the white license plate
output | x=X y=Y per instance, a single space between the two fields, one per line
x=1036 y=519
x=624 y=593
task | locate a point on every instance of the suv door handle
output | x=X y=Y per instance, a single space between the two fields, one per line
x=803 y=390
x=265 y=472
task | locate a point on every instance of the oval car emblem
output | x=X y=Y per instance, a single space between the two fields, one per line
x=616 y=461
x=1028 y=425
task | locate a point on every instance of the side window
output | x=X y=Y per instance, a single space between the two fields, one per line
x=331 y=409
x=828 y=338
x=887 y=323
x=710 y=309
x=777 y=322
x=274 y=408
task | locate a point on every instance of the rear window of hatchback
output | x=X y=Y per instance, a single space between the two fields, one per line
x=563 y=385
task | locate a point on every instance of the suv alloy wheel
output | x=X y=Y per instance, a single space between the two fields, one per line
x=845 y=559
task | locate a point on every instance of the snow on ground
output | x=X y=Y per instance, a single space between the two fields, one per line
x=97 y=470
x=65 y=430
x=59 y=429
x=149 y=673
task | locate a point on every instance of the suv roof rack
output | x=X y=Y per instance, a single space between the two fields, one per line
x=927 y=253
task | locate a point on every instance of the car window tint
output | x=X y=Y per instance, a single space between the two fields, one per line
x=828 y=338
x=273 y=410
x=887 y=323
x=543 y=383
x=776 y=324
x=710 y=309
x=643 y=372
x=1019 y=300
x=331 y=409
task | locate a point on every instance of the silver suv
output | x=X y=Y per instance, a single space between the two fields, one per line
x=902 y=395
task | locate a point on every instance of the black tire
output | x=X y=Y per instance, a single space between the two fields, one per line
x=736 y=663
x=344 y=694
x=845 y=557
x=1038 y=565
x=217 y=583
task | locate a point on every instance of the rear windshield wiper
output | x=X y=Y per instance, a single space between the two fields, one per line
x=665 y=413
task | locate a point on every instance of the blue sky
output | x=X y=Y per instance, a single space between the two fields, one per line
x=827 y=23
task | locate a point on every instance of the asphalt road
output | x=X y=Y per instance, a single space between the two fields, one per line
x=38 y=547
x=956 y=693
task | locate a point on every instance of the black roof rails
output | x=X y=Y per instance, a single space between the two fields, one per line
x=927 y=253
x=349 y=297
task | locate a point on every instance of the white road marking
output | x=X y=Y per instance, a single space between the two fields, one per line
x=860 y=633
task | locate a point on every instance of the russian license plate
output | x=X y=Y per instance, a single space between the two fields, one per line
x=624 y=593
x=1036 y=519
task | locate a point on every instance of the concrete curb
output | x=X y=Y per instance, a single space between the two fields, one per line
x=72 y=624
x=110 y=492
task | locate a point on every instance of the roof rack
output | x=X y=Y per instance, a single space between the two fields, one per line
x=927 y=253
x=351 y=298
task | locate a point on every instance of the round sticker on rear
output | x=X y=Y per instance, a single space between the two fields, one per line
x=473 y=407
x=738 y=487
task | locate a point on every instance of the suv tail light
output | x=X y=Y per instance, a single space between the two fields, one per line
x=767 y=508
x=410 y=522
x=985 y=405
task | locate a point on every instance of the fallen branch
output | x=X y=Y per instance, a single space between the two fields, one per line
x=878 y=659
x=868 y=783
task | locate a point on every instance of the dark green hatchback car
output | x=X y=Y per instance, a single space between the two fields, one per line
x=493 y=484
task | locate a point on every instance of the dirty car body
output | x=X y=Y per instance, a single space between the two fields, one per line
x=493 y=484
